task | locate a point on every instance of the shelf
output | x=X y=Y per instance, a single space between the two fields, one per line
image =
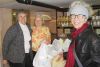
x=96 y=27
x=65 y=27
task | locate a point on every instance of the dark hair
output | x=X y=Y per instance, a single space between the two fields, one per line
x=20 y=12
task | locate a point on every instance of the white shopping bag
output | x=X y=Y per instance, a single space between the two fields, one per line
x=57 y=45
x=66 y=44
x=51 y=51
x=41 y=58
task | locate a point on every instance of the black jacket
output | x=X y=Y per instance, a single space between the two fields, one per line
x=88 y=48
x=13 y=44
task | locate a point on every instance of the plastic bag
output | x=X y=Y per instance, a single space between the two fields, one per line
x=41 y=58
x=46 y=53
x=66 y=44
x=57 y=45
x=61 y=45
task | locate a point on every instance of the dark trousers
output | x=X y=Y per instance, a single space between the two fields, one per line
x=26 y=63
x=34 y=53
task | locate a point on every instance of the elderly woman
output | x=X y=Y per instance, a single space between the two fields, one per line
x=39 y=34
x=84 y=51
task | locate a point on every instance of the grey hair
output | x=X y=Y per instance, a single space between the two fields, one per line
x=86 y=5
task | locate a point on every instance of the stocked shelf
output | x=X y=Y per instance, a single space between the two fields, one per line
x=96 y=26
x=96 y=21
x=64 y=27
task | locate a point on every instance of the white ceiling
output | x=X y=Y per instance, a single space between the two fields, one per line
x=12 y=4
x=59 y=3
x=66 y=3
x=15 y=5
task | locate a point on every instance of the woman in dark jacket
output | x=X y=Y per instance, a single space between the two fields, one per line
x=85 y=42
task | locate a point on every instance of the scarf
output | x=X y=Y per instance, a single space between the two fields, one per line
x=70 y=57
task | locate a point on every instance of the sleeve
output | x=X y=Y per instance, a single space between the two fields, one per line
x=95 y=50
x=8 y=38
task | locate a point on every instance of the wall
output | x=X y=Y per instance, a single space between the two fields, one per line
x=5 y=22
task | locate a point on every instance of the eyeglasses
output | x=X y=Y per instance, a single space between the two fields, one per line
x=73 y=16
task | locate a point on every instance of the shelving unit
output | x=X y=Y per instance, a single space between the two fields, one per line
x=96 y=21
x=63 y=24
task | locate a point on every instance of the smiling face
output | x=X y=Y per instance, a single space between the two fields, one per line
x=77 y=20
x=22 y=18
x=38 y=21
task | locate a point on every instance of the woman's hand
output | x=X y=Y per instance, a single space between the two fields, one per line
x=5 y=62
x=59 y=57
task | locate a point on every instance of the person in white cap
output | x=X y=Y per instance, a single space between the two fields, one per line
x=84 y=51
